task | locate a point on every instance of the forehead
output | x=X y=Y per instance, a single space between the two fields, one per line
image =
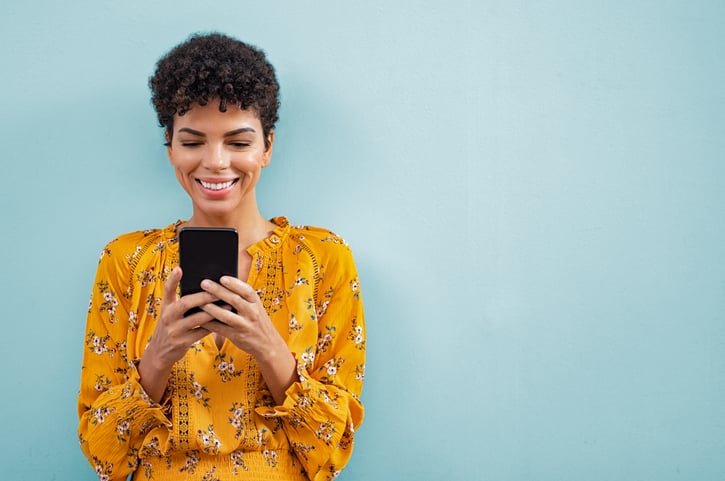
x=209 y=118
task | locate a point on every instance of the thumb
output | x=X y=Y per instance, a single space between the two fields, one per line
x=171 y=285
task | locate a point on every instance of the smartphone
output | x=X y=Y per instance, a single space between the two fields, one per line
x=206 y=253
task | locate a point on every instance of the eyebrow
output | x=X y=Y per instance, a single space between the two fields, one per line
x=232 y=133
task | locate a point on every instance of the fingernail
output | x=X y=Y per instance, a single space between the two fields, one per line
x=206 y=283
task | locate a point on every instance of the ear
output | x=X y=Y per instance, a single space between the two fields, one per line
x=268 y=151
x=167 y=136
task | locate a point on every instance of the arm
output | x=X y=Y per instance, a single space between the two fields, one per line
x=322 y=408
x=120 y=417
x=318 y=390
x=116 y=417
x=172 y=336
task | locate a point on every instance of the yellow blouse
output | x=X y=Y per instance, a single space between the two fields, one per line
x=217 y=420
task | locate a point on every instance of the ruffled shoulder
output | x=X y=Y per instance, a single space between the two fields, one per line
x=128 y=248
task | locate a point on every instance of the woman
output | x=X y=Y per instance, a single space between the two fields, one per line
x=270 y=391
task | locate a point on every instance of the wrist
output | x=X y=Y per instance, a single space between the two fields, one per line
x=279 y=370
x=154 y=375
x=274 y=354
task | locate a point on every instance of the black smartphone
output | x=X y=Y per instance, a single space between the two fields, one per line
x=206 y=253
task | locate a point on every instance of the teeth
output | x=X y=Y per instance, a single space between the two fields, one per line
x=219 y=186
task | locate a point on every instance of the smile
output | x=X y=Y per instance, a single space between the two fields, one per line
x=217 y=185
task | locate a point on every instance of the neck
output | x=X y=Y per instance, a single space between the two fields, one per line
x=250 y=224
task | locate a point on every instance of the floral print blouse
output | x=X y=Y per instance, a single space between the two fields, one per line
x=218 y=420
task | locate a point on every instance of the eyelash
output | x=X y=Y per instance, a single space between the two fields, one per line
x=239 y=145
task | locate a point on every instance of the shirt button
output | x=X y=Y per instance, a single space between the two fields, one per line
x=274 y=239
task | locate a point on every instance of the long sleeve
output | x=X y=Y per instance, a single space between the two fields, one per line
x=322 y=410
x=117 y=420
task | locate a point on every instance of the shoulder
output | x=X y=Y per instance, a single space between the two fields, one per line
x=319 y=239
x=324 y=246
x=127 y=248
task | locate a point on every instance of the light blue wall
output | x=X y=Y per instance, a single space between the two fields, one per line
x=534 y=192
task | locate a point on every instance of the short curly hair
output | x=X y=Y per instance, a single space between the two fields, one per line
x=214 y=66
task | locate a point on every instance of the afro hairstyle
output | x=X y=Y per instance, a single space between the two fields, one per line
x=214 y=67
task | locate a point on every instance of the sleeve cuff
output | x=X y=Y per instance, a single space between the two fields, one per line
x=294 y=396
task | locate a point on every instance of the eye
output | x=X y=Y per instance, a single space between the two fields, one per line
x=239 y=144
x=190 y=144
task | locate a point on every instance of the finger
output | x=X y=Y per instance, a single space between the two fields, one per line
x=195 y=321
x=232 y=305
x=197 y=299
x=244 y=290
x=224 y=294
x=187 y=303
x=218 y=327
x=171 y=285
x=222 y=313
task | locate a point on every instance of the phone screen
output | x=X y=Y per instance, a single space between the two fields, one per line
x=206 y=253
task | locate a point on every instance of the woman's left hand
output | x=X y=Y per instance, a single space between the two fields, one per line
x=251 y=330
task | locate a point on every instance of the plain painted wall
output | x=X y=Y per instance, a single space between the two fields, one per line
x=534 y=192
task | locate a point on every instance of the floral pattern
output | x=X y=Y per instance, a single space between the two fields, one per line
x=200 y=392
x=224 y=366
x=209 y=441
x=237 y=418
x=217 y=420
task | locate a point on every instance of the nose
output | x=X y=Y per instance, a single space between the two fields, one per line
x=216 y=159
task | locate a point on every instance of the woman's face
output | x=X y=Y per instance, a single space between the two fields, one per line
x=217 y=157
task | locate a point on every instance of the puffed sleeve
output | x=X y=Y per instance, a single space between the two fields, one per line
x=117 y=419
x=322 y=410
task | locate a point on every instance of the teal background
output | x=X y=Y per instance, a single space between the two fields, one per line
x=534 y=192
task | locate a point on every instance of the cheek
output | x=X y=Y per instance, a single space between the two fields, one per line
x=182 y=162
x=183 y=180
x=181 y=170
x=248 y=167
x=247 y=162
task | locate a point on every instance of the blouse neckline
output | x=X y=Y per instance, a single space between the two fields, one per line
x=276 y=238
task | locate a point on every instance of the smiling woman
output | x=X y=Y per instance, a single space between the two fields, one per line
x=218 y=158
x=268 y=390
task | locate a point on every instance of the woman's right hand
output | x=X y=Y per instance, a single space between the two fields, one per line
x=173 y=336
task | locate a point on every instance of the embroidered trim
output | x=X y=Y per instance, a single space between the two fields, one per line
x=272 y=269
x=315 y=264
x=253 y=376
x=182 y=388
